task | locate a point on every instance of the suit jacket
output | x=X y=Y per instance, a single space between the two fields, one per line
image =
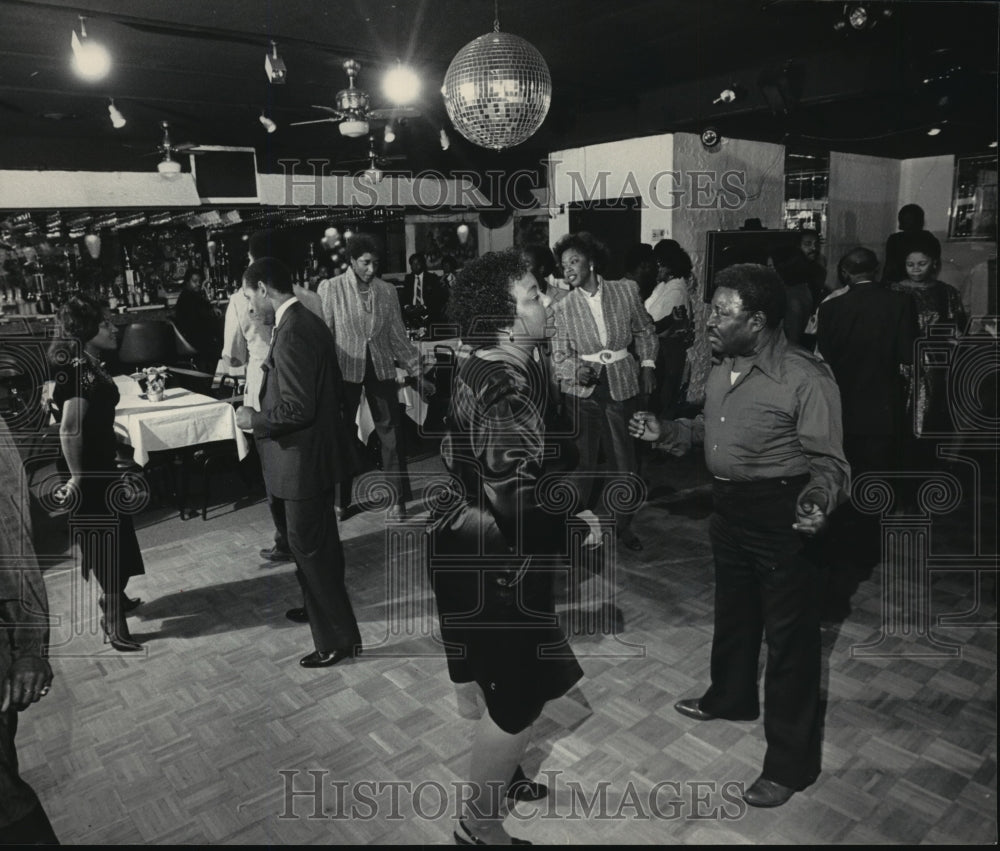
x=302 y=439
x=576 y=334
x=356 y=330
x=865 y=335
x=434 y=290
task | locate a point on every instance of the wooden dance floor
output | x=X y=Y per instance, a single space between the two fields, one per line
x=204 y=737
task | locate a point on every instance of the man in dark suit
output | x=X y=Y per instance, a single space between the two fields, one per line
x=421 y=287
x=304 y=452
x=866 y=335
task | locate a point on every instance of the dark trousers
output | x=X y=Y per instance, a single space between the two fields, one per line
x=383 y=400
x=319 y=559
x=601 y=423
x=22 y=818
x=765 y=585
x=278 y=518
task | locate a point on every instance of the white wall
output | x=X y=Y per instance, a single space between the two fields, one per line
x=756 y=168
x=628 y=169
x=928 y=181
x=863 y=205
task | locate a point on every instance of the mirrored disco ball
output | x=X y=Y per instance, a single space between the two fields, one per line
x=497 y=90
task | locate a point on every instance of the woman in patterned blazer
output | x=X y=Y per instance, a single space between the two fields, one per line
x=598 y=325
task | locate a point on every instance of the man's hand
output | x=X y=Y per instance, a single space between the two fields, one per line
x=647 y=380
x=244 y=418
x=645 y=426
x=27 y=682
x=586 y=375
x=810 y=512
x=64 y=493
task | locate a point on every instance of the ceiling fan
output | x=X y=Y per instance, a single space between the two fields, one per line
x=375 y=162
x=352 y=111
x=166 y=149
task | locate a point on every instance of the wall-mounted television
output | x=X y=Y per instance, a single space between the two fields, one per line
x=225 y=175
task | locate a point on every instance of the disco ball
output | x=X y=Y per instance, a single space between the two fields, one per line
x=497 y=90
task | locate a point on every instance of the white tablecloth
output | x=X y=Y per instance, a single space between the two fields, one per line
x=182 y=419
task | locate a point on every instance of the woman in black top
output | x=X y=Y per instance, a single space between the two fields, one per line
x=86 y=397
x=198 y=321
x=490 y=536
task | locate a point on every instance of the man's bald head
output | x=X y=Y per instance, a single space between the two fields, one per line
x=860 y=263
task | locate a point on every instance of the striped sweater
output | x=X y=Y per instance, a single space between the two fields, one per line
x=357 y=330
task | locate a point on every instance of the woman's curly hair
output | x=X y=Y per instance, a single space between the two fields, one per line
x=79 y=321
x=588 y=245
x=480 y=302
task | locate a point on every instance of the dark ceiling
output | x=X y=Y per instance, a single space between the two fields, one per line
x=620 y=68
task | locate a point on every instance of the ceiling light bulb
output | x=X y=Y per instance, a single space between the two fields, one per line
x=117 y=119
x=269 y=125
x=858 y=17
x=934 y=131
x=389 y=135
x=401 y=85
x=445 y=141
x=353 y=128
x=993 y=144
x=725 y=96
x=90 y=59
x=168 y=167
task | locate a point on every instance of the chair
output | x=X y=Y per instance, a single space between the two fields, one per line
x=148 y=343
x=184 y=350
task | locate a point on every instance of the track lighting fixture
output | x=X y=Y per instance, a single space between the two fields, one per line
x=117 y=119
x=268 y=123
x=90 y=59
x=275 y=67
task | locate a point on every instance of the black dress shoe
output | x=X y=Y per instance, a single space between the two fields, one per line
x=467 y=837
x=523 y=789
x=324 y=659
x=276 y=555
x=767 y=793
x=691 y=708
x=630 y=540
x=297 y=615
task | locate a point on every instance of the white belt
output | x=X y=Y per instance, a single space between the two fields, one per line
x=606 y=356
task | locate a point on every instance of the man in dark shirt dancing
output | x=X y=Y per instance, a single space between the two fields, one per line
x=772 y=434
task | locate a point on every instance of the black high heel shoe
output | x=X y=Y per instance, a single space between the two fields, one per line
x=120 y=639
x=128 y=604
x=471 y=839
x=523 y=789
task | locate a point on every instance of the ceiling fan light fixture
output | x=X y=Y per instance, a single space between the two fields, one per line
x=91 y=60
x=274 y=66
x=353 y=128
x=389 y=135
x=117 y=119
x=168 y=167
x=401 y=85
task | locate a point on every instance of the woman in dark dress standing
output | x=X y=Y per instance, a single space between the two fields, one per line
x=86 y=397
x=494 y=598
x=199 y=321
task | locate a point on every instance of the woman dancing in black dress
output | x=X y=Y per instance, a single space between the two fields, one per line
x=86 y=397
x=494 y=597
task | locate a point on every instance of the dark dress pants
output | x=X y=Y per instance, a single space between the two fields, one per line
x=22 y=819
x=599 y=422
x=383 y=401
x=766 y=585
x=319 y=558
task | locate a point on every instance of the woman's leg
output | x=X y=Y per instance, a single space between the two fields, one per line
x=496 y=755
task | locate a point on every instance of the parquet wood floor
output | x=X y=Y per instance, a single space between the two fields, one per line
x=185 y=742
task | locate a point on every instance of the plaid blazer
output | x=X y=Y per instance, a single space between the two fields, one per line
x=576 y=334
x=356 y=330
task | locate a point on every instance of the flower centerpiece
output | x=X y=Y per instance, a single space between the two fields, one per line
x=156 y=382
